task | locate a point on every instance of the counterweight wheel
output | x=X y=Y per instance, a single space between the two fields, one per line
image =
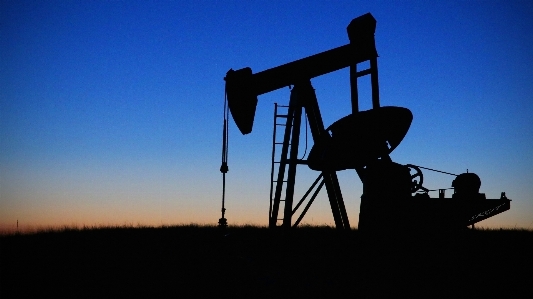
x=415 y=184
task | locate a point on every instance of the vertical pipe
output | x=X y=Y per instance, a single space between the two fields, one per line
x=374 y=82
x=353 y=88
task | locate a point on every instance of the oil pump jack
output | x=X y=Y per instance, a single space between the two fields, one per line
x=393 y=195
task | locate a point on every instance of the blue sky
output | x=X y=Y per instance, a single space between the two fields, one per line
x=111 y=111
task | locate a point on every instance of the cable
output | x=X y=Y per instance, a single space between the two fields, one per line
x=222 y=222
x=435 y=170
x=306 y=128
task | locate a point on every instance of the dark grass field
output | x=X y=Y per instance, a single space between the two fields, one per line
x=251 y=262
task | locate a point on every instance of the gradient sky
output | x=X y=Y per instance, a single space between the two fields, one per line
x=111 y=111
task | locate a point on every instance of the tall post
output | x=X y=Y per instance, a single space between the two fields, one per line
x=353 y=88
x=374 y=82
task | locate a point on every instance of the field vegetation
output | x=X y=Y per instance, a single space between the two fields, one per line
x=254 y=262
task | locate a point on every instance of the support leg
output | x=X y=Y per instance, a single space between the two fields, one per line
x=307 y=96
x=291 y=175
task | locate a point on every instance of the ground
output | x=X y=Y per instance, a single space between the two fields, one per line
x=251 y=262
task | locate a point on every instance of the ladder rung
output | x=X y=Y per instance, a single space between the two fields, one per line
x=363 y=73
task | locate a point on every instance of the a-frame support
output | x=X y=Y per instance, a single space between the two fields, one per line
x=303 y=97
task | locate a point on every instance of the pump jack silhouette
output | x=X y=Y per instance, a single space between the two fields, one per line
x=362 y=140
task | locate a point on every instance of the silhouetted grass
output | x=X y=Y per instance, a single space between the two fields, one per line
x=254 y=262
